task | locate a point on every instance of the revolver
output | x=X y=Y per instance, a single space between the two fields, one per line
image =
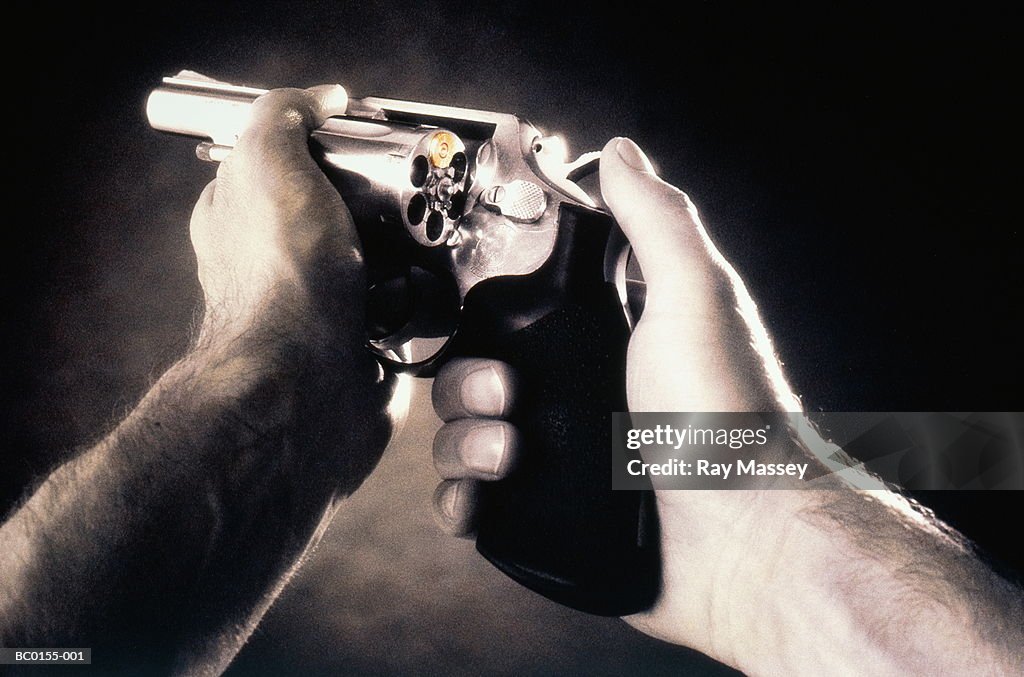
x=481 y=239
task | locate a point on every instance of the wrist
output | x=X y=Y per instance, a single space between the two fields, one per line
x=283 y=330
x=294 y=372
x=756 y=575
x=771 y=600
x=725 y=558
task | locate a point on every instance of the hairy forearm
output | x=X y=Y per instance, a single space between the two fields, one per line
x=859 y=582
x=174 y=533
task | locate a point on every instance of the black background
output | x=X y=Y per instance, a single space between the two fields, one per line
x=857 y=165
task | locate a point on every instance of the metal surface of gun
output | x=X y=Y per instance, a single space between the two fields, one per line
x=480 y=241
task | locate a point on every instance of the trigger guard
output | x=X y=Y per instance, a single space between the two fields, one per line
x=424 y=330
x=399 y=361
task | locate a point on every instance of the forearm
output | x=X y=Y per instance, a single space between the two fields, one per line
x=857 y=582
x=174 y=533
x=826 y=581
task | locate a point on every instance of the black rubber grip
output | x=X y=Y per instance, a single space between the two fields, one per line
x=555 y=525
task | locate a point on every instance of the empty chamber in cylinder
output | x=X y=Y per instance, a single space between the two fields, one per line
x=395 y=173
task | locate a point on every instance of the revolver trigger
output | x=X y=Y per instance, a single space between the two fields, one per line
x=584 y=166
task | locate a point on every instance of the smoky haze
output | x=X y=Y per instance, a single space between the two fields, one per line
x=780 y=128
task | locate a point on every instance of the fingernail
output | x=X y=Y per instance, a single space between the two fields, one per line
x=482 y=393
x=448 y=500
x=330 y=100
x=633 y=156
x=483 y=448
x=338 y=97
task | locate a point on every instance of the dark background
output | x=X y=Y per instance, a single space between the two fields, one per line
x=855 y=164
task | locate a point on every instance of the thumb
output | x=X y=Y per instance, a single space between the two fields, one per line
x=296 y=112
x=275 y=140
x=659 y=220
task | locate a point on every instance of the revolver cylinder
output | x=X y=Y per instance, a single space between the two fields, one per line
x=389 y=172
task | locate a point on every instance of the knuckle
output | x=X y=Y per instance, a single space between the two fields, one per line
x=679 y=197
